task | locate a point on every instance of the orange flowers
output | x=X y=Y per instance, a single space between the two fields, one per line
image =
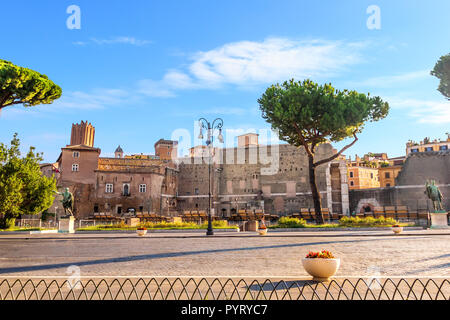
x=324 y=254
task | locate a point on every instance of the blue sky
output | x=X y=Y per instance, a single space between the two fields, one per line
x=139 y=70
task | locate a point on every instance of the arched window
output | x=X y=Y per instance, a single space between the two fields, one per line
x=126 y=189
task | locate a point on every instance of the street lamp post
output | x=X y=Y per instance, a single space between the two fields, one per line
x=56 y=217
x=205 y=124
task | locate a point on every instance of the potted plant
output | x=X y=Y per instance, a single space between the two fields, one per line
x=141 y=231
x=397 y=228
x=321 y=265
x=262 y=230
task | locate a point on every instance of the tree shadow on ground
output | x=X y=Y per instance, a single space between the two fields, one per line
x=170 y=255
x=279 y=285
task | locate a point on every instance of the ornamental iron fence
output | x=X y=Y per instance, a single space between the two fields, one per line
x=223 y=289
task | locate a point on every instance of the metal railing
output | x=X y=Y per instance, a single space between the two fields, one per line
x=36 y=223
x=223 y=289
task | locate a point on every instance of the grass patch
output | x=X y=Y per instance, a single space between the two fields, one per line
x=26 y=229
x=344 y=222
x=287 y=222
x=221 y=224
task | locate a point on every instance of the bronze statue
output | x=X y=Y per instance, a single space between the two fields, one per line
x=67 y=201
x=434 y=194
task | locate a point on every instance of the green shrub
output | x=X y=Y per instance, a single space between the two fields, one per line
x=7 y=223
x=366 y=222
x=168 y=225
x=217 y=224
x=287 y=222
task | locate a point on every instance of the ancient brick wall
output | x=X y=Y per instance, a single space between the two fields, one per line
x=240 y=175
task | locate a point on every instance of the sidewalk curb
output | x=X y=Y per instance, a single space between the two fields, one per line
x=155 y=231
x=339 y=229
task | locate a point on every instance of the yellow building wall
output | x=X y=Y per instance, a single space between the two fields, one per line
x=393 y=173
x=363 y=178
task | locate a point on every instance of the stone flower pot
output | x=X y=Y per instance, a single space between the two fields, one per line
x=262 y=232
x=141 y=233
x=397 y=230
x=320 y=268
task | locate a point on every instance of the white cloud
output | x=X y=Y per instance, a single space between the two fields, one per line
x=425 y=111
x=95 y=99
x=79 y=43
x=116 y=40
x=153 y=88
x=226 y=111
x=177 y=79
x=389 y=81
x=250 y=63
x=72 y=101
x=274 y=59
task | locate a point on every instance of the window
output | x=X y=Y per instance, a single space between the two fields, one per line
x=196 y=191
x=76 y=154
x=142 y=188
x=429 y=149
x=414 y=150
x=351 y=183
x=351 y=174
x=371 y=176
x=126 y=189
x=75 y=167
x=109 y=188
x=388 y=184
x=387 y=175
x=443 y=148
x=96 y=208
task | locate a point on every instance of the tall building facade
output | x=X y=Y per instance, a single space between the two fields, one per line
x=112 y=185
x=271 y=178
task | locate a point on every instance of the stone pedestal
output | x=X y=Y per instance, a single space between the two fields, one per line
x=249 y=226
x=132 y=222
x=252 y=226
x=66 y=225
x=439 y=220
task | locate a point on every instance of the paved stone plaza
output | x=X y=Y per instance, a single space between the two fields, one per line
x=421 y=253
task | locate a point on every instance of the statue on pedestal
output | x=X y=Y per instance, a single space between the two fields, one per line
x=434 y=194
x=67 y=201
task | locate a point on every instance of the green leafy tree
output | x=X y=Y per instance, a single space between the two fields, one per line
x=23 y=187
x=442 y=72
x=20 y=85
x=307 y=114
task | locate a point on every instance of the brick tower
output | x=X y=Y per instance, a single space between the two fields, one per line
x=82 y=134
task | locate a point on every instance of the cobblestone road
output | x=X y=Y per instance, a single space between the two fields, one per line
x=362 y=253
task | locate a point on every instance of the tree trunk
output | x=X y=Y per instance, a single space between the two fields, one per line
x=314 y=190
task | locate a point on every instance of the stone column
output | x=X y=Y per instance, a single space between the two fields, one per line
x=329 y=190
x=344 y=188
